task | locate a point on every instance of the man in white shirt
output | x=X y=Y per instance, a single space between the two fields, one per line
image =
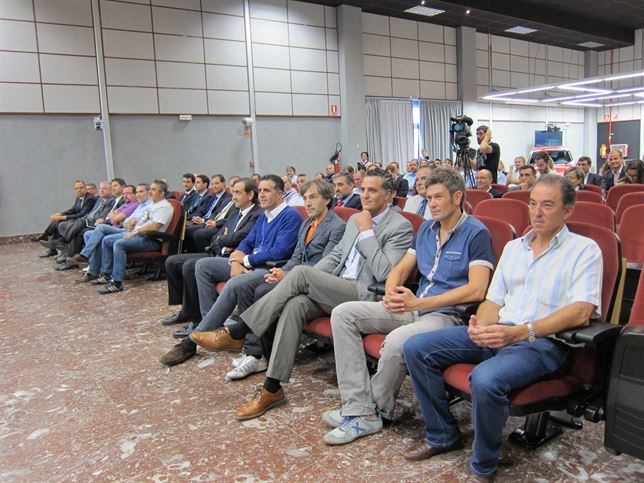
x=418 y=203
x=155 y=218
x=291 y=196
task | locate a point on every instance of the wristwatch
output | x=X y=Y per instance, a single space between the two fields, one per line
x=532 y=335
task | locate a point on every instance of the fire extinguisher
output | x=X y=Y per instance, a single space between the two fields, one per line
x=335 y=159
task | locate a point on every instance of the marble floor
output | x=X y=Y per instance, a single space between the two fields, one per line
x=84 y=398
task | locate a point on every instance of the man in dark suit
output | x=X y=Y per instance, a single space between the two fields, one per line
x=616 y=172
x=590 y=178
x=400 y=183
x=189 y=192
x=484 y=183
x=83 y=204
x=344 y=195
x=203 y=225
x=180 y=269
x=203 y=197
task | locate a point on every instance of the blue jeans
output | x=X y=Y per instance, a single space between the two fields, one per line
x=93 y=239
x=114 y=252
x=499 y=371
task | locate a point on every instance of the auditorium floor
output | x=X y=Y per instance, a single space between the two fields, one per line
x=84 y=398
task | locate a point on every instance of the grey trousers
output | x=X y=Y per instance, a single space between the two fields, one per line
x=350 y=321
x=239 y=290
x=304 y=294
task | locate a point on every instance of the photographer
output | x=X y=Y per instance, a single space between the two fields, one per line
x=488 y=154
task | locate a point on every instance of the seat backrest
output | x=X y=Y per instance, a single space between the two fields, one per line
x=521 y=195
x=174 y=227
x=513 y=211
x=414 y=219
x=467 y=208
x=591 y=196
x=619 y=190
x=637 y=312
x=474 y=197
x=501 y=232
x=630 y=233
x=611 y=255
x=501 y=187
x=345 y=213
x=594 y=188
x=400 y=201
x=302 y=211
x=594 y=214
x=628 y=200
x=177 y=194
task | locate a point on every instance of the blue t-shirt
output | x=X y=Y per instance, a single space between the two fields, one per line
x=447 y=267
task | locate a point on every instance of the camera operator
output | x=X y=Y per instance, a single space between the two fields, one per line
x=488 y=153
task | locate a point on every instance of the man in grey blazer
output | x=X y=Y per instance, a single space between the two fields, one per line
x=374 y=241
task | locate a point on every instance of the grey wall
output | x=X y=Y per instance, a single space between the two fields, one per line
x=40 y=156
x=49 y=152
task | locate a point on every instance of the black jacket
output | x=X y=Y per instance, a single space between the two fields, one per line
x=233 y=237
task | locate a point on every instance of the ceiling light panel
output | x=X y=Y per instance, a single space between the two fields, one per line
x=590 y=45
x=520 y=30
x=425 y=11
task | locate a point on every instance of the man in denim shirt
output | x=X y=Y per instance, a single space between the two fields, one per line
x=455 y=258
x=545 y=282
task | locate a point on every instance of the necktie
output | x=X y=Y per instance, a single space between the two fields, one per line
x=422 y=207
x=340 y=203
x=212 y=207
x=239 y=219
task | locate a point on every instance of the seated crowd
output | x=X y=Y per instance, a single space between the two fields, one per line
x=281 y=271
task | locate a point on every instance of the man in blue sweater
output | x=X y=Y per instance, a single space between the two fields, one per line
x=273 y=237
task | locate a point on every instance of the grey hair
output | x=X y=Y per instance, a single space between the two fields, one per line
x=449 y=178
x=568 y=193
x=346 y=176
x=388 y=183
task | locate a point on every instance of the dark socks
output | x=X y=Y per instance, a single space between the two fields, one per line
x=188 y=343
x=272 y=385
x=238 y=330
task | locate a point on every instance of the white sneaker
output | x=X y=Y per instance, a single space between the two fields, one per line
x=352 y=428
x=249 y=365
x=333 y=418
x=238 y=360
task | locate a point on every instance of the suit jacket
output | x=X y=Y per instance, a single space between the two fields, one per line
x=402 y=186
x=102 y=208
x=353 y=202
x=188 y=198
x=197 y=203
x=221 y=203
x=78 y=211
x=326 y=236
x=413 y=204
x=233 y=237
x=495 y=193
x=597 y=180
x=609 y=178
x=378 y=255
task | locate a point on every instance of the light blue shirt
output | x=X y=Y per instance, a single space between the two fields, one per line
x=352 y=263
x=411 y=179
x=138 y=212
x=529 y=289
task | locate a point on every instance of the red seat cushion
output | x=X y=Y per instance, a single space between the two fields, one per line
x=220 y=287
x=320 y=326
x=372 y=344
x=458 y=376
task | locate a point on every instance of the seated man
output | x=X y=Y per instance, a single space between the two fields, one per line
x=373 y=242
x=418 y=203
x=91 y=252
x=83 y=204
x=203 y=225
x=292 y=197
x=189 y=191
x=484 y=183
x=455 y=259
x=182 y=284
x=511 y=337
x=527 y=177
x=272 y=237
x=91 y=189
x=202 y=197
x=401 y=184
x=316 y=238
x=344 y=195
x=156 y=217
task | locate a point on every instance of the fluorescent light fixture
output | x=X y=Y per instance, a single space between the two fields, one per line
x=520 y=30
x=581 y=83
x=581 y=104
x=590 y=44
x=556 y=99
x=585 y=89
x=639 y=94
x=613 y=96
x=536 y=89
x=624 y=76
x=631 y=89
x=425 y=11
x=518 y=99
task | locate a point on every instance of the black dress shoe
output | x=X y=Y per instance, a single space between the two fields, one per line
x=61 y=259
x=38 y=238
x=65 y=266
x=175 y=319
x=184 y=332
x=50 y=253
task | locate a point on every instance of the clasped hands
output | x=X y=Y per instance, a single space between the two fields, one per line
x=493 y=336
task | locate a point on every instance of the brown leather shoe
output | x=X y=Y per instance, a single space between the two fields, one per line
x=426 y=451
x=262 y=401
x=218 y=340
x=181 y=353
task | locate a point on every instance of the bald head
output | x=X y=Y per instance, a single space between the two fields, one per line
x=484 y=179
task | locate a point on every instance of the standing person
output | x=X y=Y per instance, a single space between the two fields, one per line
x=488 y=153
x=510 y=337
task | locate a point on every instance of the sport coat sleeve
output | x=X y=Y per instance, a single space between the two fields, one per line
x=298 y=253
x=233 y=238
x=88 y=205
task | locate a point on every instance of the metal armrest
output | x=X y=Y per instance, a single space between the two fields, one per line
x=276 y=263
x=377 y=288
x=592 y=335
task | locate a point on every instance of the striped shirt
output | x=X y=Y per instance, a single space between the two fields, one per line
x=528 y=289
